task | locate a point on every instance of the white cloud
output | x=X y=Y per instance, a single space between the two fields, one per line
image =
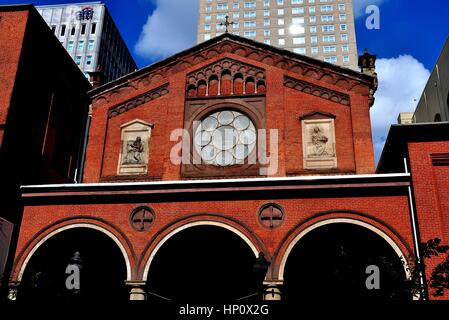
x=169 y=29
x=401 y=80
x=359 y=6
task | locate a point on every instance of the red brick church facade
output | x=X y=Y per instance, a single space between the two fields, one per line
x=159 y=163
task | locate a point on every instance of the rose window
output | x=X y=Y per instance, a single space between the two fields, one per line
x=225 y=138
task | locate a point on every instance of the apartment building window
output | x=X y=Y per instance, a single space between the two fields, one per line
x=344 y=37
x=63 y=30
x=78 y=60
x=280 y=2
x=331 y=59
x=250 y=24
x=329 y=38
x=251 y=4
x=281 y=42
x=311 y=1
x=313 y=39
x=266 y=33
x=70 y=46
x=72 y=31
x=80 y=45
x=266 y=3
x=345 y=58
x=236 y=33
x=236 y=25
x=342 y=17
x=297 y=10
x=345 y=48
x=221 y=16
x=329 y=49
x=312 y=19
x=222 y=6
x=343 y=27
x=267 y=41
x=314 y=50
x=298 y=20
x=251 y=33
x=281 y=32
x=53 y=29
x=236 y=15
x=207 y=27
x=208 y=1
x=327 y=18
x=250 y=14
x=207 y=17
x=281 y=22
x=219 y=26
x=299 y=40
x=91 y=45
x=88 y=60
x=266 y=13
x=208 y=8
x=207 y=36
x=83 y=28
x=328 y=28
x=235 y=5
x=341 y=7
x=266 y=22
x=280 y=12
x=93 y=28
x=218 y=34
x=312 y=10
x=327 y=8
x=297 y=1
x=300 y=50
x=313 y=29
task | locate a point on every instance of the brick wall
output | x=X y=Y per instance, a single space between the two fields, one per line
x=283 y=108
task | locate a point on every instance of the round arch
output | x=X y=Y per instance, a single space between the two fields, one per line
x=353 y=221
x=191 y=225
x=73 y=226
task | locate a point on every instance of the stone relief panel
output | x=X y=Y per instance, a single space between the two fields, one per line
x=319 y=144
x=134 y=153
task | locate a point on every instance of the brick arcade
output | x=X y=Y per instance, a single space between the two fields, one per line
x=194 y=230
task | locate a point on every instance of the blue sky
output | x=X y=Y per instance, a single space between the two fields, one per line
x=407 y=26
x=410 y=38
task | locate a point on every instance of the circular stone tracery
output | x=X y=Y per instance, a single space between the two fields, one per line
x=225 y=138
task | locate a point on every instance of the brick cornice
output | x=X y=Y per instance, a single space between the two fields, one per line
x=318 y=91
x=139 y=100
x=348 y=80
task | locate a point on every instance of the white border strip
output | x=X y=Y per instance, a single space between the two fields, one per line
x=218 y=181
x=343 y=220
x=190 y=225
x=72 y=226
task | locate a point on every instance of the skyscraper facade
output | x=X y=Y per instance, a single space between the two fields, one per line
x=323 y=29
x=90 y=36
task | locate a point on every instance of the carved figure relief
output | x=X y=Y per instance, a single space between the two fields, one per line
x=319 y=143
x=134 y=149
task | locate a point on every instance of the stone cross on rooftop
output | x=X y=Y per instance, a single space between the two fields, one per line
x=227 y=23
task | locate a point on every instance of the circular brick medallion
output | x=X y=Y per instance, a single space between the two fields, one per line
x=142 y=218
x=271 y=215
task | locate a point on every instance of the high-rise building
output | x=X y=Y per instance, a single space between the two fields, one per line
x=433 y=106
x=90 y=36
x=323 y=29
